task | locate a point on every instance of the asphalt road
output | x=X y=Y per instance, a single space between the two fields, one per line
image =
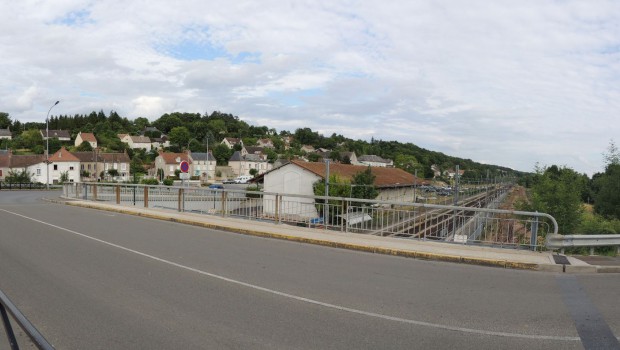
x=91 y=279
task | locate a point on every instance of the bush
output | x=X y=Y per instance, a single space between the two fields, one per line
x=149 y=182
x=168 y=182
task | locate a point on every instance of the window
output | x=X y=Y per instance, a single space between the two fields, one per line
x=55 y=166
x=82 y=167
x=123 y=167
x=70 y=168
x=38 y=171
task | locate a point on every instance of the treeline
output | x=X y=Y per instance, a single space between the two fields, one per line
x=195 y=130
x=581 y=205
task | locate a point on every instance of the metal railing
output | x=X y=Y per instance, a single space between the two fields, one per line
x=21 y=186
x=474 y=220
x=590 y=241
x=6 y=308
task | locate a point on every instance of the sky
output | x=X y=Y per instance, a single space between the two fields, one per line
x=510 y=83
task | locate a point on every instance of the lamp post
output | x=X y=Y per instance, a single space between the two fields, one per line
x=47 y=146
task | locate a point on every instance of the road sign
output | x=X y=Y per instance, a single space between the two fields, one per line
x=184 y=166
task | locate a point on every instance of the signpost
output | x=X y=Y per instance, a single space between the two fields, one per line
x=184 y=172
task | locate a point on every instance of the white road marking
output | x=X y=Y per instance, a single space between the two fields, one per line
x=307 y=300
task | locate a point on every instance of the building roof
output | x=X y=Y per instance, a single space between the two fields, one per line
x=5 y=132
x=88 y=136
x=62 y=155
x=384 y=177
x=171 y=158
x=202 y=156
x=23 y=161
x=237 y=157
x=57 y=133
x=140 y=139
x=114 y=157
x=255 y=149
x=372 y=158
x=86 y=156
x=4 y=158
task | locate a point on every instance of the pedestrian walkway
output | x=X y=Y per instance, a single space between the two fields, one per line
x=411 y=248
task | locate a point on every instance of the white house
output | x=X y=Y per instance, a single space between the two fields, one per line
x=242 y=164
x=298 y=177
x=61 y=135
x=230 y=142
x=86 y=137
x=63 y=162
x=135 y=142
x=203 y=165
x=375 y=161
x=5 y=134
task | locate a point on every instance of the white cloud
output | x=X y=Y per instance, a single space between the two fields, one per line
x=510 y=83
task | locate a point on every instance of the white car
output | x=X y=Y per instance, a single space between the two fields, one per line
x=243 y=179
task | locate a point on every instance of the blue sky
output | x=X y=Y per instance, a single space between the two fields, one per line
x=503 y=82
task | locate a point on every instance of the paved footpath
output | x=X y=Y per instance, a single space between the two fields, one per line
x=428 y=250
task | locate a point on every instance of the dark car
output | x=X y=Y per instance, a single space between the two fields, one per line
x=216 y=187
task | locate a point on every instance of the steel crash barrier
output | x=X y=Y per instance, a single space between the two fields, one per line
x=555 y=241
x=6 y=308
x=475 y=219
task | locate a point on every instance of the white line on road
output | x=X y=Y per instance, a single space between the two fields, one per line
x=307 y=300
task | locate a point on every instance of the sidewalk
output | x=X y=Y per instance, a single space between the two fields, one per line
x=427 y=250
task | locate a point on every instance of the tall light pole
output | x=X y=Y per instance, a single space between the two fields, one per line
x=47 y=146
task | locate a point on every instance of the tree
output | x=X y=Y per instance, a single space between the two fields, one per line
x=14 y=176
x=84 y=147
x=222 y=154
x=64 y=177
x=363 y=185
x=612 y=156
x=557 y=192
x=179 y=136
x=607 y=197
x=5 y=120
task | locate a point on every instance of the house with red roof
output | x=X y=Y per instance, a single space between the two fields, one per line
x=298 y=178
x=86 y=137
x=168 y=162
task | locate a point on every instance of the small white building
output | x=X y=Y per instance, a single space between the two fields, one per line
x=203 y=165
x=86 y=137
x=298 y=178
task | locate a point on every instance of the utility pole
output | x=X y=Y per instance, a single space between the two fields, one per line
x=47 y=146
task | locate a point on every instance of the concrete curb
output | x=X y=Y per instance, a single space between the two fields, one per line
x=357 y=247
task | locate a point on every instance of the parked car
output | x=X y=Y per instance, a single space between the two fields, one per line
x=243 y=179
x=216 y=186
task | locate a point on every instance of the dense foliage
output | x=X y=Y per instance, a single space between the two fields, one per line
x=195 y=131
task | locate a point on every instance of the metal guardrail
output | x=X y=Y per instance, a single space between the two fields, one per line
x=37 y=339
x=21 y=186
x=472 y=221
x=562 y=242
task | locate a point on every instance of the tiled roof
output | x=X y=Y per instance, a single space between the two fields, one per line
x=4 y=159
x=85 y=156
x=87 y=136
x=255 y=149
x=202 y=156
x=62 y=155
x=115 y=157
x=140 y=139
x=5 y=132
x=384 y=177
x=22 y=161
x=57 y=133
x=372 y=158
x=171 y=158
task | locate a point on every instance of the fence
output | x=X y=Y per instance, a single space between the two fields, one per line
x=472 y=221
x=21 y=186
x=6 y=308
x=591 y=241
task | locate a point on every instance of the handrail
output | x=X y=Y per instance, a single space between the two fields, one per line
x=555 y=241
x=36 y=337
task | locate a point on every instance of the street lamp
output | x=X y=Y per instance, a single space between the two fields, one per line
x=47 y=146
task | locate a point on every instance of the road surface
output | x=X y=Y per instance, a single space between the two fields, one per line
x=91 y=279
